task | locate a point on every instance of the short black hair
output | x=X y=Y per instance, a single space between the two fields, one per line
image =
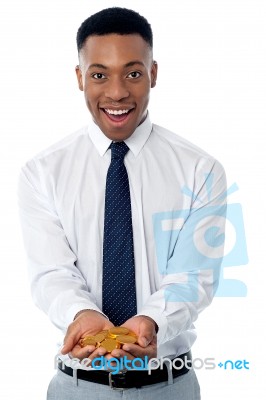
x=121 y=21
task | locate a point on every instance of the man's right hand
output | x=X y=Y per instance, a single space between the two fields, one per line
x=87 y=322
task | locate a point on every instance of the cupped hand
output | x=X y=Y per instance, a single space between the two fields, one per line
x=88 y=322
x=145 y=329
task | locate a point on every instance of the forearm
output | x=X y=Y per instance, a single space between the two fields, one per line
x=190 y=259
x=61 y=293
x=172 y=306
x=58 y=287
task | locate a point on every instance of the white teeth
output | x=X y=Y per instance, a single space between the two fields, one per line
x=116 y=112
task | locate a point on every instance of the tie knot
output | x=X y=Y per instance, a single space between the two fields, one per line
x=119 y=150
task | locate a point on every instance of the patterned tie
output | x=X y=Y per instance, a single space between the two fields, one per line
x=119 y=291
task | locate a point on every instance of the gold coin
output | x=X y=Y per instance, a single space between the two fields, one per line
x=88 y=337
x=118 y=330
x=126 y=339
x=99 y=337
x=88 y=340
x=131 y=333
x=104 y=332
x=110 y=344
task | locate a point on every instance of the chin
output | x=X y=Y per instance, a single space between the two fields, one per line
x=118 y=137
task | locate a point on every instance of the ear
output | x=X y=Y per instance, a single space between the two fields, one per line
x=154 y=71
x=79 y=77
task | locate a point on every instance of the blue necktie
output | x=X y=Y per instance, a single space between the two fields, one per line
x=119 y=291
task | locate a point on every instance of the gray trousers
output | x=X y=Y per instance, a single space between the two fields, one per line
x=64 y=387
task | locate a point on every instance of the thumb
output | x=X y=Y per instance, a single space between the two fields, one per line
x=70 y=340
x=146 y=334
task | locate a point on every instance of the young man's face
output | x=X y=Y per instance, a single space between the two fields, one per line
x=116 y=73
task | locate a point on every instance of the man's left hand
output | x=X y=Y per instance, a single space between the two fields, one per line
x=145 y=329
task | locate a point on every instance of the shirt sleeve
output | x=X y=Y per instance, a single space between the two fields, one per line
x=58 y=287
x=190 y=272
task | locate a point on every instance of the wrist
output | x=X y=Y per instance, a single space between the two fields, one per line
x=85 y=310
x=81 y=312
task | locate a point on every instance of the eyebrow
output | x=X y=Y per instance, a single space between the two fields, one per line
x=129 y=64
x=132 y=63
x=97 y=66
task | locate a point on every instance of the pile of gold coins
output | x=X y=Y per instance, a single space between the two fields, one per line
x=111 y=339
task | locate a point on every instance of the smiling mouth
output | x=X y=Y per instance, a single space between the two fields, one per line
x=117 y=115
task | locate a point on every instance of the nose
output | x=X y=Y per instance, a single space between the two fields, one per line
x=116 y=89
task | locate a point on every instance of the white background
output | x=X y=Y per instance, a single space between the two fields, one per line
x=211 y=89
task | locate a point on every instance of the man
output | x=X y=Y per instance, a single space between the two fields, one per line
x=112 y=236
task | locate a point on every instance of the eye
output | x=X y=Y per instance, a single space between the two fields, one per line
x=98 y=76
x=134 y=75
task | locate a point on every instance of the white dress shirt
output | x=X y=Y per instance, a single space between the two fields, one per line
x=173 y=187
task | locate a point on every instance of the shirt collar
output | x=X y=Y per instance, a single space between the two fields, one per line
x=135 y=142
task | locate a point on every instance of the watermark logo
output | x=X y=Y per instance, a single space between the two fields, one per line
x=192 y=240
x=230 y=364
x=116 y=365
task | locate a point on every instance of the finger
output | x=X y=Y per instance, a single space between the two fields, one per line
x=140 y=352
x=109 y=356
x=82 y=352
x=134 y=348
x=138 y=358
x=98 y=353
x=122 y=354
